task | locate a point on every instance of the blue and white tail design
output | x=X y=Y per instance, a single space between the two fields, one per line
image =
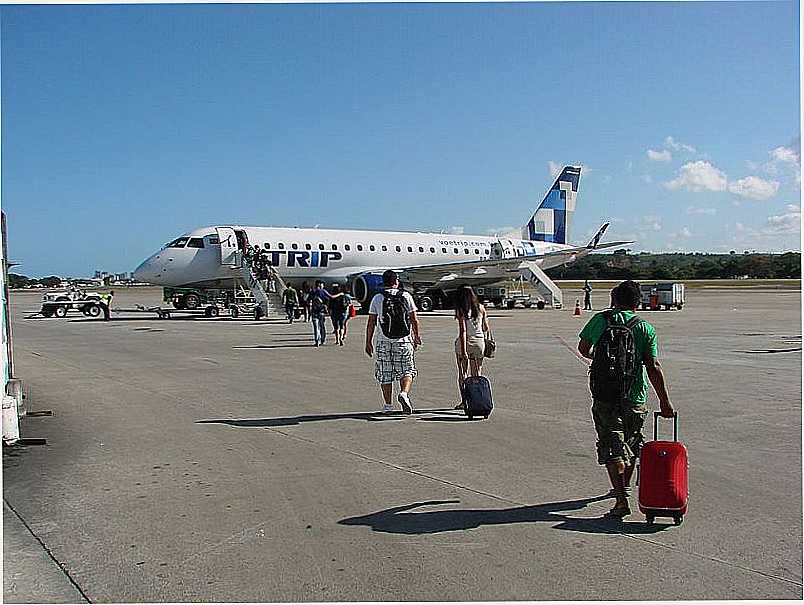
x=551 y=221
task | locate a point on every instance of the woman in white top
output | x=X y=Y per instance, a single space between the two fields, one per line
x=473 y=324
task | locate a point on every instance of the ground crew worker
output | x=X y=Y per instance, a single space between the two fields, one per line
x=106 y=304
x=587 y=296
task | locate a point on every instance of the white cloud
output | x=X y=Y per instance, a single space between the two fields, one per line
x=698 y=176
x=780 y=232
x=456 y=230
x=660 y=156
x=685 y=232
x=677 y=146
x=786 y=155
x=555 y=169
x=789 y=222
x=647 y=178
x=754 y=188
x=706 y=211
x=786 y=160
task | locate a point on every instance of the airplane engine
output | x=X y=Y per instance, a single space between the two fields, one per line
x=365 y=286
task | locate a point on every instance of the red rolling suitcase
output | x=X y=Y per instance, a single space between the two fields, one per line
x=663 y=490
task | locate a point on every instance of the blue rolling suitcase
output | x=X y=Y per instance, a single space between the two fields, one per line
x=477 y=399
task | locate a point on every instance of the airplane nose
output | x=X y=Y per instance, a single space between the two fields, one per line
x=147 y=272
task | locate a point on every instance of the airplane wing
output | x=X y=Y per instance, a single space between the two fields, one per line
x=482 y=270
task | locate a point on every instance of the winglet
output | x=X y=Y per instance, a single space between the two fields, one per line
x=596 y=240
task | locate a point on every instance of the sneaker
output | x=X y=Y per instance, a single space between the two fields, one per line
x=404 y=401
x=387 y=408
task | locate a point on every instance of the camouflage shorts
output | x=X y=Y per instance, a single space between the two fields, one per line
x=619 y=429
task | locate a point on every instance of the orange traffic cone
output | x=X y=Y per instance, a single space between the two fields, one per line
x=577 y=307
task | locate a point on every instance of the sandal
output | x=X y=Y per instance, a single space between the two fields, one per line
x=619 y=510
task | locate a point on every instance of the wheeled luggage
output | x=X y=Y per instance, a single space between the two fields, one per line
x=663 y=490
x=477 y=400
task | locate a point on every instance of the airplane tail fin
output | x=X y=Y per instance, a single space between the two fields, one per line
x=551 y=221
x=593 y=243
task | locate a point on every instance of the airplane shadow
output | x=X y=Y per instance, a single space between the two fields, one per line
x=400 y=519
x=377 y=416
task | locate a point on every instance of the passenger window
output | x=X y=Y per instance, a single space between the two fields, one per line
x=385 y=248
x=399 y=248
x=295 y=246
x=360 y=247
x=347 y=247
x=443 y=250
x=372 y=248
x=308 y=247
x=195 y=242
x=179 y=242
x=281 y=246
x=455 y=250
x=432 y=249
x=421 y=248
x=320 y=246
x=466 y=250
x=334 y=246
x=477 y=251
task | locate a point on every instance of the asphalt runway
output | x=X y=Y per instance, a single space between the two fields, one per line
x=229 y=460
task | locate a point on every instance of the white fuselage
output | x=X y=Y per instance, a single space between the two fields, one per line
x=199 y=258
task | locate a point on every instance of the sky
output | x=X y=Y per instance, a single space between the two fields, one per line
x=124 y=126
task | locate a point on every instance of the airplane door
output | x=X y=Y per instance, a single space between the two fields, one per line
x=502 y=248
x=228 y=240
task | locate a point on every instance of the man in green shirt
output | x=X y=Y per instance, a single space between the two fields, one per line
x=619 y=423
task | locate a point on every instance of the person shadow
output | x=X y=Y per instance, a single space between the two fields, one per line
x=403 y=519
x=376 y=416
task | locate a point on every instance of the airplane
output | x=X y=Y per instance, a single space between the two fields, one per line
x=430 y=265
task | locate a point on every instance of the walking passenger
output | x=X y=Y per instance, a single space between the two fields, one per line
x=338 y=308
x=619 y=396
x=473 y=325
x=305 y=304
x=317 y=299
x=348 y=315
x=395 y=341
x=290 y=299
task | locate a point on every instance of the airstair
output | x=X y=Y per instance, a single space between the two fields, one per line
x=545 y=286
x=268 y=300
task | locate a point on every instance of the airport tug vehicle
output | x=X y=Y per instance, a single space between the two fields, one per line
x=60 y=302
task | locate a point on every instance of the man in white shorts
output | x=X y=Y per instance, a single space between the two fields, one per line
x=395 y=342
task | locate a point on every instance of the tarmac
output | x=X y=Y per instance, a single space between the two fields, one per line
x=223 y=460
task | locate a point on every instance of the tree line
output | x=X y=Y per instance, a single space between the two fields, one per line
x=23 y=281
x=680 y=266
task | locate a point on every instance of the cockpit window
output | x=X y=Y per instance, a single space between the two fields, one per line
x=179 y=242
x=195 y=242
x=213 y=240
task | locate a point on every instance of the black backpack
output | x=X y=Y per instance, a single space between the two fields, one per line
x=395 y=320
x=615 y=362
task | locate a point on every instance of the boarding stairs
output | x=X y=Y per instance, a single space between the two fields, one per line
x=270 y=302
x=545 y=287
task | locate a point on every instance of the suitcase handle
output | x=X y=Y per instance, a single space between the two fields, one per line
x=656 y=416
